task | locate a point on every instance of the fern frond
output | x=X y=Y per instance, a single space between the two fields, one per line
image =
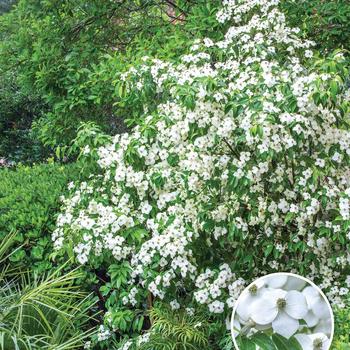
x=176 y=330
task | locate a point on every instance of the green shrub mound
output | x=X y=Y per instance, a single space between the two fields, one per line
x=29 y=199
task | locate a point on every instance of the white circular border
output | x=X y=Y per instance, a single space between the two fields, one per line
x=284 y=274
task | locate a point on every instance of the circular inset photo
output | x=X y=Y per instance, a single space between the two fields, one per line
x=282 y=311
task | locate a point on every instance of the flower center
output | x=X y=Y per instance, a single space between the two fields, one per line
x=253 y=289
x=281 y=303
x=318 y=343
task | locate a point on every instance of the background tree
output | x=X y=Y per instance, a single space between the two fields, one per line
x=59 y=49
x=65 y=55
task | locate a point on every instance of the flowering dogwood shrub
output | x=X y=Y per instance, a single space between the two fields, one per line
x=241 y=169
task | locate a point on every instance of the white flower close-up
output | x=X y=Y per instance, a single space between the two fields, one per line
x=286 y=305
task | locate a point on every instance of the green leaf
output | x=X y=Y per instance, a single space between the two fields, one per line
x=37 y=252
x=282 y=343
x=18 y=256
x=334 y=88
x=294 y=344
x=247 y=344
x=264 y=341
x=121 y=90
x=289 y=217
x=268 y=250
x=254 y=130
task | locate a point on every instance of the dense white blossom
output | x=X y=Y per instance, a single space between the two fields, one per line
x=243 y=167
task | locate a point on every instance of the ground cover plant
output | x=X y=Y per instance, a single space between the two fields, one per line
x=29 y=199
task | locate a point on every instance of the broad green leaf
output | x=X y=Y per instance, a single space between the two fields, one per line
x=247 y=344
x=264 y=341
x=282 y=343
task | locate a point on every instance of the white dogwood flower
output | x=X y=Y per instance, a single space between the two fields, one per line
x=294 y=283
x=236 y=327
x=276 y=281
x=282 y=309
x=294 y=308
x=316 y=302
x=311 y=319
x=249 y=296
x=324 y=326
x=317 y=341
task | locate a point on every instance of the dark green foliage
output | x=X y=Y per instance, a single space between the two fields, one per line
x=264 y=341
x=18 y=109
x=29 y=200
x=323 y=21
x=72 y=53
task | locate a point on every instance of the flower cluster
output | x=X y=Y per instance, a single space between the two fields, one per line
x=289 y=306
x=4 y=163
x=242 y=168
x=142 y=339
x=103 y=333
